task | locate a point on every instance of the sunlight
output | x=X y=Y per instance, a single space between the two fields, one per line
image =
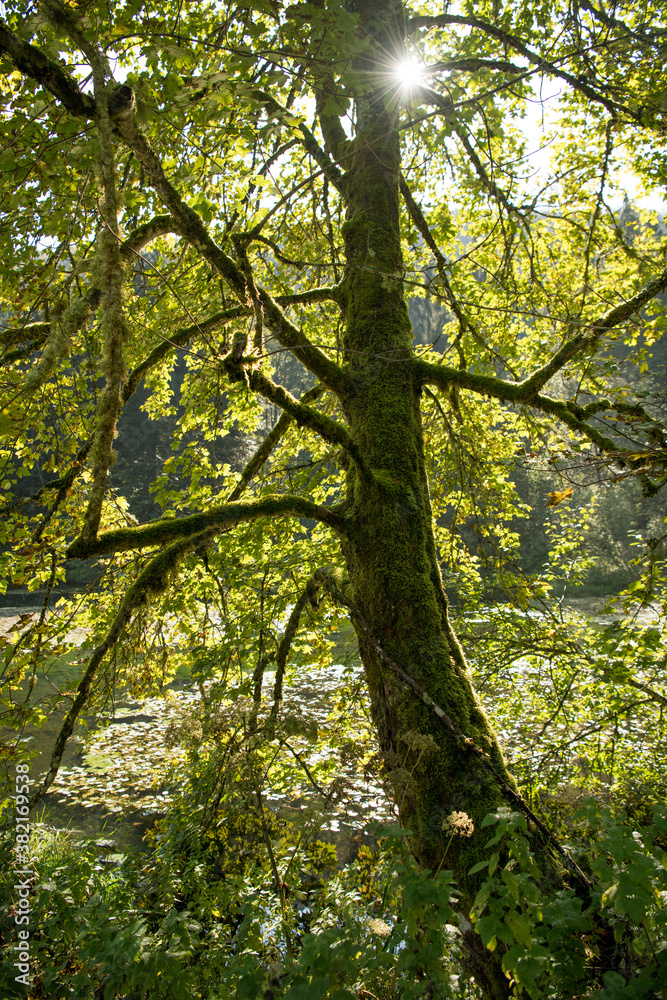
x=410 y=73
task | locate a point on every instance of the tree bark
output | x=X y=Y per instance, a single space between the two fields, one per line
x=390 y=547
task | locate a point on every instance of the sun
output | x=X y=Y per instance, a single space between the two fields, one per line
x=410 y=73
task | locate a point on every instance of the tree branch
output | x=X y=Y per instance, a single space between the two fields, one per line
x=140 y=237
x=572 y=414
x=213 y=521
x=309 y=595
x=62 y=327
x=33 y=63
x=471 y=65
x=446 y=20
x=464 y=321
x=179 y=339
x=418 y=218
x=188 y=222
x=311 y=357
x=307 y=139
x=527 y=390
x=111 y=274
x=651 y=41
x=269 y=443
x=153 y=579
x=62 y=484
x=444 y=104
x=305 y=416
x=329 y=293
x=13 y=334
x=487 y=181
x=192 y=228
x=444 y=376
x=30 y=338
x=80 y=310
x=186 y=334
x=590 y=336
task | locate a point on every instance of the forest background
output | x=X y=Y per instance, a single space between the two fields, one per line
x=307 y=360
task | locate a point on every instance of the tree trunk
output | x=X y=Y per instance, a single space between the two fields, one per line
x=391 y=553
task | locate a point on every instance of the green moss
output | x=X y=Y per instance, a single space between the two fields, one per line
x=225 y=515
x=390 y=547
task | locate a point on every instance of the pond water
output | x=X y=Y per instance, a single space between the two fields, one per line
x=119 y=774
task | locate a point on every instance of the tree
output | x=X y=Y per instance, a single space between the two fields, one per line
x=186 y=131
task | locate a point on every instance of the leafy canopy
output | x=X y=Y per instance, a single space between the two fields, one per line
x=175 y=181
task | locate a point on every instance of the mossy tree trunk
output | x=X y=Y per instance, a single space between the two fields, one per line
x=390 y=549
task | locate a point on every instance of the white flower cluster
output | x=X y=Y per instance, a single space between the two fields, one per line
x=381 y=927
x=458 y=824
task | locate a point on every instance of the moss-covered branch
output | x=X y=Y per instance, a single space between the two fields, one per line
x=57 y=333
x=269 y=443
x=527 y=391
x=647 y=464
x=326 y=293
x=62 y=328
x=572 y=414
x=14 y=335
x=30 y=61
x=109 y=273
x=252 y=298
x=291 y=337
x=444 y=376
x=24 y=340
x=188 y=222
x=215 y=520
x=153 y=579
x=140 y=237
x=590 y=335
x=306 y=416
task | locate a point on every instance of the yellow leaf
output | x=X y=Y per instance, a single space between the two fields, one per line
x=558 y=496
